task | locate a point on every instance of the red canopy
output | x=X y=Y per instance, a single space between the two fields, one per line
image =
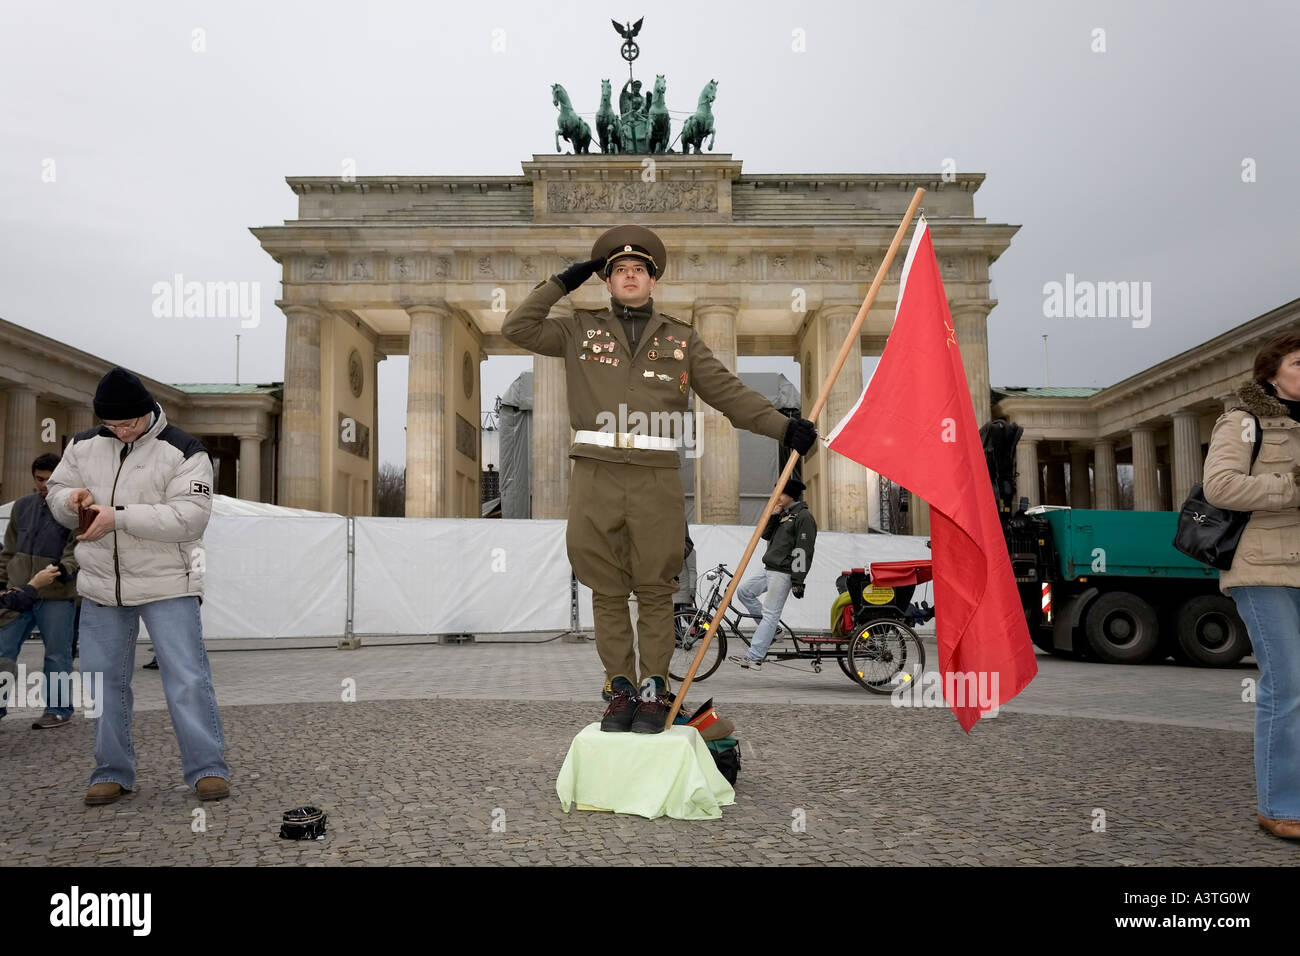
x=894 y=574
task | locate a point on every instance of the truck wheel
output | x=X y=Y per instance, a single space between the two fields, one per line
x=1121 y=628
x=1210 y=631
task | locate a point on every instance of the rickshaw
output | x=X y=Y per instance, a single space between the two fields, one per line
x=871 y=636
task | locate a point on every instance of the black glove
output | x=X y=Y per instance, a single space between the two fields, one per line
x=579 y=272
x=797 y=590
x=800 y=435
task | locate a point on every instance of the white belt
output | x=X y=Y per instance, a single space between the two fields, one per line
x=624 y=440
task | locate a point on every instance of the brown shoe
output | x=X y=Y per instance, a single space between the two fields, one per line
x=101 y=793
x=1286 y=829
x=212 y=788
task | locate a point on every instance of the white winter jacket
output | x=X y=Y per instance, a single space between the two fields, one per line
x=161 y=488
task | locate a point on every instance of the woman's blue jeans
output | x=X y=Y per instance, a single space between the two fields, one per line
x=1272 y=616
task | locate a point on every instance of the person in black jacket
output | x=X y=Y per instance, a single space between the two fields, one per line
x=791 y=533
x=22 y=598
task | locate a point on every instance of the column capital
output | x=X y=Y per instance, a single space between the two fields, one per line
x=437 y=307
x=702 y=307
x=1185 y=413
x=308 y=310
x=253 y=436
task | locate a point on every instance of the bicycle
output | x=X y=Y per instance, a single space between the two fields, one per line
x=880 y=653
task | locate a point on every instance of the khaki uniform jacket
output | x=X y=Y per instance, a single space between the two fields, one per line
x=1269 y=550
x=161 y=485
x=596 y=389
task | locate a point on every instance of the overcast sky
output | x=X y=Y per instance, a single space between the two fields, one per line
x=1119 y=165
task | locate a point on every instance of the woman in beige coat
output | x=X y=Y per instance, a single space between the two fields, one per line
x=1264 y=579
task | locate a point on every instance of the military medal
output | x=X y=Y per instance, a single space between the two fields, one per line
x=647 y=374
x=591 y=333
x=652 y=355
x=683 y=385
x=662 y=377
x=679 y=354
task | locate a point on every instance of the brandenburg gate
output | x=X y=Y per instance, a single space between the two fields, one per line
x=428 y=266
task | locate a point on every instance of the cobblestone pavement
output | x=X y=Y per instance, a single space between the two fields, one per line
x=444 y=740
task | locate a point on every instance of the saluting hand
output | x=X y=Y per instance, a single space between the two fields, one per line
x=578 y=273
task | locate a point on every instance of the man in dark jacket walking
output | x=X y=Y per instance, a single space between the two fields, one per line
x=34 y=540
x=791 y=533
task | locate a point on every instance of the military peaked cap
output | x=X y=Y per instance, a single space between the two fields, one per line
x=638 y=241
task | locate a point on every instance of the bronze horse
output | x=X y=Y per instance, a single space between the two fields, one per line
x=570 y=125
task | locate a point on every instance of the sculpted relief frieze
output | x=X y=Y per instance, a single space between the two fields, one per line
x=632 y=197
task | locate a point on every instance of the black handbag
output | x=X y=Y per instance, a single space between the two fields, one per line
x=1208 y=534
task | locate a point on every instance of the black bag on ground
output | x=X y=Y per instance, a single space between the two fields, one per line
x=1209 y=534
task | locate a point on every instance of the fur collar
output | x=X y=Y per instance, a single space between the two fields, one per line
x=1255 y=400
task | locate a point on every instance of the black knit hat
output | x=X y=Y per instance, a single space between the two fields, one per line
x=794 y=488
x=121 y=395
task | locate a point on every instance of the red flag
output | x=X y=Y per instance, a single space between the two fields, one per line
x=915 y=424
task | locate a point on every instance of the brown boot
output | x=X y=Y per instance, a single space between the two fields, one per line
x=1286 y=829
x=101 y=793
x=212 y=788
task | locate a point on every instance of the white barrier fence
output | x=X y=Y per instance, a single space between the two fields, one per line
x=327 y=576
x=416 y=576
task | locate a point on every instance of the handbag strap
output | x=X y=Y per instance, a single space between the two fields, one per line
x=1259 y=439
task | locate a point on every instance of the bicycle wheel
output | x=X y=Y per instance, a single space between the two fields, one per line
x=689 y=629
x=885 y=655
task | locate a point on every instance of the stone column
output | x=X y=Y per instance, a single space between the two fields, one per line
x=80 y=418
x=1054 y=480
x=1105 y=478
x=919 y=512
x=971 y=323
x=1027 y=471
x=428 y=484
x=552 y=435
x=1080 y=491
x=300 y=421
x=21 y=431
x=250 y=468
x=1146 y=490
x=1186 y=454
x=717 y=469
x=847 y=481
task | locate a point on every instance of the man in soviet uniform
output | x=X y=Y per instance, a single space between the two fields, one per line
x=626 y=364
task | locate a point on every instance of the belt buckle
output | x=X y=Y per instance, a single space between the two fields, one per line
x=623 y=440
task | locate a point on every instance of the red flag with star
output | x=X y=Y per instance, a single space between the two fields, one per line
x=915 y=424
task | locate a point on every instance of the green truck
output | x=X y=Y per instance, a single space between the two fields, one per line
x=1109 y=585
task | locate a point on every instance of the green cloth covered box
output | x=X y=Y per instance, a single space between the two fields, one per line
x=652 y=775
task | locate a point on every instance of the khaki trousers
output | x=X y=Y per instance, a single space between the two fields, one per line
x=626 y=533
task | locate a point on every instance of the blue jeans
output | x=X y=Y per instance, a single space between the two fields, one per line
x=1272 y=616
x=108 y=636
x=777 y=585
x=54 y=618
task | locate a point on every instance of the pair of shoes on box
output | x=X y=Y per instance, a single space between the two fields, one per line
x=641 y=713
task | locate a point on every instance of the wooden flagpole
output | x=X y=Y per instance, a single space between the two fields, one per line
x=793 y=458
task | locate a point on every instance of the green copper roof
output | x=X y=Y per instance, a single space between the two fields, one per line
x=191 y=388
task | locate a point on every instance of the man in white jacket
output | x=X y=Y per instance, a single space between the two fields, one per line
x=149 y=487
